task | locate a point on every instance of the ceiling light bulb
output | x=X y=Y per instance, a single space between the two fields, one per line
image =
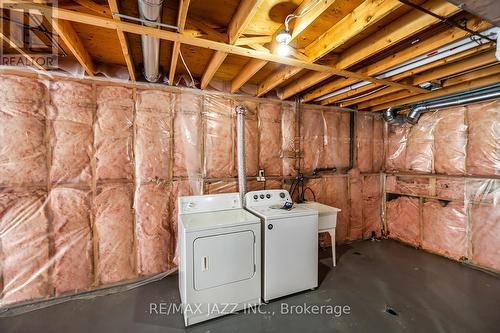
x=283 y=50
x=283 y=37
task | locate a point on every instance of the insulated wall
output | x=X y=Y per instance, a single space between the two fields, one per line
x=90 y=174
x=443 y=193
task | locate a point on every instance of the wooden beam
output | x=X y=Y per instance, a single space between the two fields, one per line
x=473 y=75
x=198 y=42
x=181 y=21
x=418 y=49
x=404 y=27
x=20 y=50
x=241 y=19
x=362 y=17
x=214 y=64
x=299 y=25
x=444 y=68
x=113 y=6
x=349 y=93
x=91 y=5
x=254 y=40
x=67 y=33
x=472 y=84
x=248 y=71
x=245 y=12
x=315 y=9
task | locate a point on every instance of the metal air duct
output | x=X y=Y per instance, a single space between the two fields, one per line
x=240 y=148
x=150 y=10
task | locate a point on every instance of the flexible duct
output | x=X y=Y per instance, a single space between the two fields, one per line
x=414 y=114
x=240 y=147
x=150 y=10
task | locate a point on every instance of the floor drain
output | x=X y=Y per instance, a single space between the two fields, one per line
x=357 y=253
x=391 y=311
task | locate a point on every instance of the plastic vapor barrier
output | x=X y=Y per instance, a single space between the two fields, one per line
x=454 y=209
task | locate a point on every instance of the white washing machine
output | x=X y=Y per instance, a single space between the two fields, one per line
x=290 y=244
x=219 y=256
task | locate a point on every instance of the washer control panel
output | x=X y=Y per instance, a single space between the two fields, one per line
x=267 y=198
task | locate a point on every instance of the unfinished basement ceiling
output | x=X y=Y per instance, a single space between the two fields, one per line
x=353 y=41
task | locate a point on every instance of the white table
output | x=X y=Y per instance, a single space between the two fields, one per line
x=327 y=220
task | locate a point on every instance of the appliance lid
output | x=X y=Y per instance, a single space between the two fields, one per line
x=322 y=209
x=217 y=219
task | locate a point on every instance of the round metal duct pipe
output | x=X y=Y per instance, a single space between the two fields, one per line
x=150 y=10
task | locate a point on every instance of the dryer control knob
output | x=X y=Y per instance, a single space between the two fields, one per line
x=268 y=196
x=270 y=226
x=282 y=195
x=255 y=197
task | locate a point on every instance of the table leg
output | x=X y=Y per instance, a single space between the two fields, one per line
x=332 y=236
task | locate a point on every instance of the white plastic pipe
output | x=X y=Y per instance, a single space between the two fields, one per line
x=440 y=53
x=150 y=10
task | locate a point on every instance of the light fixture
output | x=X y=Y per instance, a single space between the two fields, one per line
x=283 y=38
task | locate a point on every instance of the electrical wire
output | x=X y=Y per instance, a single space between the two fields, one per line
x=304 y=12
x=187 y=69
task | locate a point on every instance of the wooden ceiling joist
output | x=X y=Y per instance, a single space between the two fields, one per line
x=312 y=10
x=439 y=72
x=181 y=22
x=418 y=49
x=442 y=70
x=67 y=33
x=362 y=17
x=95 y=7
x=186 y=39
x=241 y=19
x=12 y=44
x=113 y=6
x=475 y=82
x=404 y=27
x=249 y=70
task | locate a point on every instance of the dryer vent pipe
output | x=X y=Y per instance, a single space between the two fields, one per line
x=240 y=147
x=150 y=11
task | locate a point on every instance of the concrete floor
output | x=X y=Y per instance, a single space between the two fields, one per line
x=426 y=293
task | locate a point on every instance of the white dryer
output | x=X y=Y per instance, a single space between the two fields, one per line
x=219 y=256
x=289 y=243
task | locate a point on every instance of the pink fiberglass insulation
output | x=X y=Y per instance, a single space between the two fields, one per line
x=450 y=141
x=412 y=185
x=270 y=138
x=288 y=140
x=153 y=230
x=219 y=152
x=313 y=131
x=344 y=138
x=253 y=185
x=378 y=144
x=181 y=188
x=390 y=184
x=71 y=113
x=113 y=133
x=336 y=196
x=444 y=228
x=403 y=220
x=396 y=147
x=273 y=184
x=485 y=220
x=114 y=221
x=483 y=191
x=419 y=149
x=449 y=188
x=356 y=204
x=371 y=206
x=483 y=147
x=153 y=140
x=23 y=154
x=331 y=149
x=364 y=141
x=316 y=192
x=73 y=260
x=187 y=135
x=24 y=244
x=251 y=140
